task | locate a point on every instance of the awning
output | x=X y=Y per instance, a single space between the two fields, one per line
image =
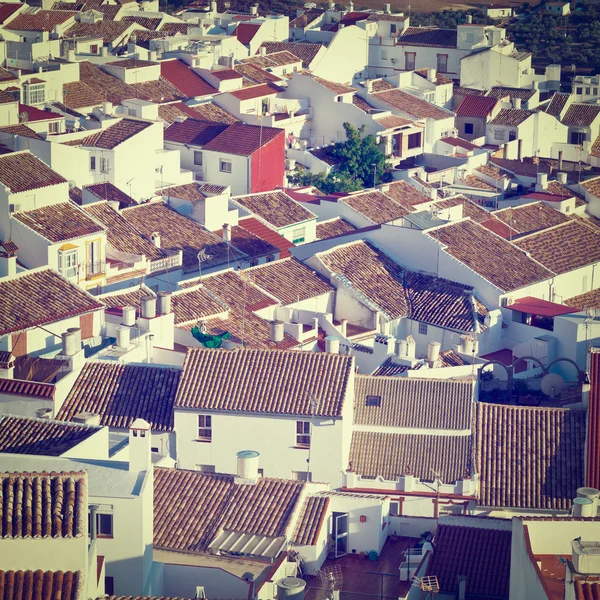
x=541 y=308
x=248 y=544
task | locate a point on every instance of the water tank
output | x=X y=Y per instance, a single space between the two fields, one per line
x=291 y=587
x=164 y=303
x=148 y=307
x=129 y=316
x=332 y=344
x=401 y=348
x=77 y=332
x=583 y=507
x=123 y=336
x=247 y=464
x=277 y=332
x=69 y=343
x=433 y=351
x=591 y=494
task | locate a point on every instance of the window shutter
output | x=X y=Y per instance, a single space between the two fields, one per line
x=19 y=344
x=86 y=323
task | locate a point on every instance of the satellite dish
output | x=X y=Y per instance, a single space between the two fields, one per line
x=553 y=384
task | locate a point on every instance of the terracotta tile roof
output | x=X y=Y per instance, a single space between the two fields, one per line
x=439 y=78
x=279 y=59
x=181 y=76
x=333 y=227
x=22 y=171
x=475 y=182
x=31 y=389
x=57 y=505
x=376 y=206
x=306 y=18
x=257 y=91
x=465 y=239
x=380 y=85
x=265 y=381
x=39 y=298
x=43 y=20
x=104 y=85
x=289 y=280
x=476 y=106
x=459 y=142
x=39 y=585
x=23 y=435
x=565 y=247
x=6 y=98
x=109 y=31
x=557 y=104
x=408 y=402
x=511 y=117
x=143 y=37
x=157 y=91
x=249 y=244
x=109 y=192
x=211 y=112
x=210 y=503
x=6 y=75
x=529 y=457
x=21 y=130
x=306 y=52
x=310 y=520
x=592 y=186
x=592 y=477
x=192 y=191
x=449 y=358
x=7 y=9
x=521 y=93
x=482 y=555
x=389 y=368
x=581 y=115
x=132 y=63
x=59 y=222
x=245 y=32
x=362 y=104
x=122 y=393
x=225 y=74
x=242 y=139
x=126 y=297
x=146 y=22
x=194 y=131
x=558 y=189
x=392 y=121
x=111 y=137
x=336 y=88
x=121 y=235
x=194 y=305
x=266 y=233
x=586 y=588
x=390 y=455
x=413 y=106
x=428 y=36
x=587 y=300
x=405 y=194
x=276 y=208
x=178 y=232
x=493 y=171
x=254 y=75
x=529 y=218
x=79 y=95
x=173 y=28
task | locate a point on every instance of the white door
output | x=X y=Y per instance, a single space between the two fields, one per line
x=340 y=533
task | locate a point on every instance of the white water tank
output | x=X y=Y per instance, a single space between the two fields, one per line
x=164 y=303
x=591 y=494
x=292 y=588
x=247 y=464
x=129 y=316
x=123 y=336
x=148 y=307
x=69 y=343
x=583 y=507
x=401 y=348
x=433 y=351
x=332 y=344
x=77 y=332
x=277 y=331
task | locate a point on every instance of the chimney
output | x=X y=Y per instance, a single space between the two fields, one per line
x=462 y=587
x=369 y=85
x=140 y=446
x=148 y=307
x=128 y=316
x=562 y=178
x=332 y=344
x=331 y=5
x=155 y=238
x=163 y=303
x=519 y=149
x=87 y=418
x=93 y=524
x=350 y=6
x=387 y=9
x=227 y=233
x=277 y=331
x=560 y=162
x=433 y=353
x=263 y=51
x=7 y=369
x=8 y=259
x=107 y=108
x=43 y=413
x=254 y=9
x=469 y=19
x=77 y=332
x=542 y=182
x=247 y=467
x=517 y=103
x=343 y=326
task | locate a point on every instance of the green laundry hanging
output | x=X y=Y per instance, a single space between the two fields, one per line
x=210 y=341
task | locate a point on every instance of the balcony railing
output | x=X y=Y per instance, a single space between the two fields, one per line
x=95 y=269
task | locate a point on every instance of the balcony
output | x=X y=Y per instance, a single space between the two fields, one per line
x=95 y=269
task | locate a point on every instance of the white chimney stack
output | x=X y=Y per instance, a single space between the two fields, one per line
x=542 y=182
x=140 y=446
x=69 y=343
x=561 y=177
x=433 y=353
x=123 y=336
x=517 y=103
x=8 y=259
x=155 y=238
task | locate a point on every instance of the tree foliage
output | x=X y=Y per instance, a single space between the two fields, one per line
x=360 y=163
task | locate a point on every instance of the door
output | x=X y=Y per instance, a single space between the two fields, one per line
x=340 y=533
x=93 y=249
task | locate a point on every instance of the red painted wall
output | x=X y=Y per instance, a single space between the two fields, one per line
x=268 y=165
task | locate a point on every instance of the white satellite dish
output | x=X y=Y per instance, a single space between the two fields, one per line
x=553 y=384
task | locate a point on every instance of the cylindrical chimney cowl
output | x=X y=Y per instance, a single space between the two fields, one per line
x=164 y=303
x=129 y=316
x=77 y=332
x=277 y=331
x=148 y=307
x=69 y=343
x=332 y=344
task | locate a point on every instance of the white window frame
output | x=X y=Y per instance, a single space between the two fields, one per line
x=67 y=263
x=104 y=510
x=92 y=163
x=223 y=162
x=423 y=328
x=198 y=158
x=302 y=476
x=303 y=434
x=104 y=165
x=205 y=428
x=53 y=127
x=35 y=93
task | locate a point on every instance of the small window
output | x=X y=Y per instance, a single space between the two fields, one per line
x=499 y=134
x=94 y=49
x=468 y=128
x=394 y=509
x=204 y=428
x=104 y=165
x=414 y=141
x=261 y=472
x=393 y=28
x=298 y=235
x=504 y=302
x=423 y=328
x=53 y=128
x=104 y=523
x=384 y=55
x=206 y=468
x=567 y=209
x=131 y=112
x=303 y=434
x=67 y=263
x=373 y=400
x=197 y=157
x=301 y=476
x=410 y=59
x=35 y=93
x=339 y=99
x=595 y=91
x=92 y=163
x=270 y=258
x=588 y=91
x=442 y=63
x=225 y=166
x=579 y=90
x=155 y=449
x=254 y=262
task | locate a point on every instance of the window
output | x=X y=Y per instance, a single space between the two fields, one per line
x=414 y=140
x=423 y=328
x=595 y=91
x=384 y=55
x=588 y=90
x=206 y=468
x=104 y=165
x=104 y=522
x=298 y=235
x=442 y=63
x=254 y=262
x=339 y=99
x=373 y=400
x=393 y=28
x=469 y=129
x=301 y=476
x=302 y=434
x=204 y=428
x=35 y=93
x=410 y=59
x=512 y=135
x=67 y=263
x=567 y=209
x=577 y=137
x=261 y=472
x=94 y=49
x=197 y=157
x=92 y=163
x=270 y=258
x=499 y=134
x=394 y=509
x=109 y=586
x=225 y=166
x=53 y=128
x=284 y=70
x=131 y=112
x=579 y=90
